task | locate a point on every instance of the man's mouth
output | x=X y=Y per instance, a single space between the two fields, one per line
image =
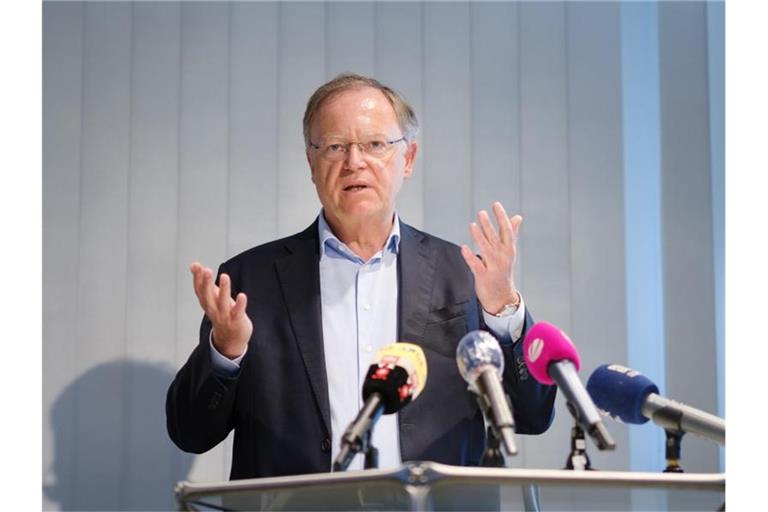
x=353 y=188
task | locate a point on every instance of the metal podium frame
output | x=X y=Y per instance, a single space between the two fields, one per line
x=418 y=478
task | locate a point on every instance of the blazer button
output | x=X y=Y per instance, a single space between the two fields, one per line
x=325 y=445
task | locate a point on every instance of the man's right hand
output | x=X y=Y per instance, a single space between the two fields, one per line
x=231 y=326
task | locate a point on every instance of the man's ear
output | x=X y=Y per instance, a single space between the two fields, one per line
x=410 y=158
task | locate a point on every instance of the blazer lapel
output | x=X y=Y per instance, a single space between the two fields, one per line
x=416 y=271
x=299 y=276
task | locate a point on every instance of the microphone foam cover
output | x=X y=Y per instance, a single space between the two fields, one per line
x=620 y=392
x=545 y=344
x=476 y=351
x=399 y=374
x=388 y=382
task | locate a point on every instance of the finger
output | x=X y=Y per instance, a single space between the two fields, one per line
x=224 y=298
x=241 y=301
x=515 y=222
x=209 y=289
x=482 y=242
x=488 y=230
x=198 y=283
x=473 y=262
x=505 y=226
x=197 y=278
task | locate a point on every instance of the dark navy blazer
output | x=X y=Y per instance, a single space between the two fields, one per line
x=279 y=405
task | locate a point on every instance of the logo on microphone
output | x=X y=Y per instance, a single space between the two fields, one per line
x=535 y=349
x=629 y=372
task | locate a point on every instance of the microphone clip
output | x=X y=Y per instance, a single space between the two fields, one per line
x=673 y=449
x=492 y=456
x=578 y=459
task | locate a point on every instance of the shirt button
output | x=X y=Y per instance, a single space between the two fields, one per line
x=367 y=306
x=325 y=445
x=368 y=348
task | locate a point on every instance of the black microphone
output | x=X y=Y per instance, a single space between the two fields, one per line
x=630 y=397
x=481 y=364
x=396 y=378
x=552 y=358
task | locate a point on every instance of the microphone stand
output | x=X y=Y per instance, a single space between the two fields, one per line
x=357 y=437
x=578 y=459
x=492 y=456
x=673 y=444
x=370 y=451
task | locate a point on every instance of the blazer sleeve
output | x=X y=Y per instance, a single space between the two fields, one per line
x=200 y=403
x=532 y=402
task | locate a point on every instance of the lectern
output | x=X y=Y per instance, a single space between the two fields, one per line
x=432 y=486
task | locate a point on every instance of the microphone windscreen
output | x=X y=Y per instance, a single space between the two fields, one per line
x=545 y=344
x=620 y=392
x=476 y=351
x=398 y=374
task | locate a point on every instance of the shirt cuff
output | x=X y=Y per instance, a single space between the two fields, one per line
x=222 y=365
x=507 y=329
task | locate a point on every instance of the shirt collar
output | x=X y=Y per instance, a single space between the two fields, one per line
x=329 y=241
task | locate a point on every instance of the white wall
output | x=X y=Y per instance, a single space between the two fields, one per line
x=172 y=132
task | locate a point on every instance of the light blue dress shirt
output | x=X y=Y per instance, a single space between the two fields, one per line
x=359 y=312
x=359 y=316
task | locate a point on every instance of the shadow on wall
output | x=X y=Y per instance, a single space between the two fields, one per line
x=112 y=450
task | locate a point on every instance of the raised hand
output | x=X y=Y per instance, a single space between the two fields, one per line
x=231 y=326
x=494 y=274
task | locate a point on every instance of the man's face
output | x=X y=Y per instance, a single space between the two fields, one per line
x=359 y=186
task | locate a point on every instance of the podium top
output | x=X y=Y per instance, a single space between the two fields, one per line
x=409 y=486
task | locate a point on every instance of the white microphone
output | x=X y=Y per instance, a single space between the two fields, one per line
x=481 y=364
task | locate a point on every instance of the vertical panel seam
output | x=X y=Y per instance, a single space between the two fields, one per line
x=179 y=165
x=276 y=169
x=424 y=160
x=278 y=119
x=375 y=25
x=568 y=166
x=228 y=136
x=521 y=195
x=326 y=60
x=228 y=210
x=128 y=183
x=518 y=121
x=471 y=117
x=176 y=463
x=78 y=273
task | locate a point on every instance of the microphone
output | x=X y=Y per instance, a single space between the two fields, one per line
x=481 y=364
x=394 y=380
x=630 y=397
x=552 y=358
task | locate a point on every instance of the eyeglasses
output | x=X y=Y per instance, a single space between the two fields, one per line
x=337 y=151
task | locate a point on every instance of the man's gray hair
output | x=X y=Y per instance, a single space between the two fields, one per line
x=406 y=118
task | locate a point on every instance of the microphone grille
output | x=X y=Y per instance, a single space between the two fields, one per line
x=620 y=392
x=476 y=351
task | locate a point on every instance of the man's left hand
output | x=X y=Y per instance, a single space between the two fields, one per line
x=494 y=274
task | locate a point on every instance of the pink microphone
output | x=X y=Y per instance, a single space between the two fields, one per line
x=543 y=344
x=552 y=358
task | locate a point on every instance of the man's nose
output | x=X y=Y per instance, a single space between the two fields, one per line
x=355 y=156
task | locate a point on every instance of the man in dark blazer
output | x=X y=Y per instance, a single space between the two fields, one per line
x=264 y=310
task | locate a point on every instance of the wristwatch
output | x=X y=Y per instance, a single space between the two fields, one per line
x=509 y=309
